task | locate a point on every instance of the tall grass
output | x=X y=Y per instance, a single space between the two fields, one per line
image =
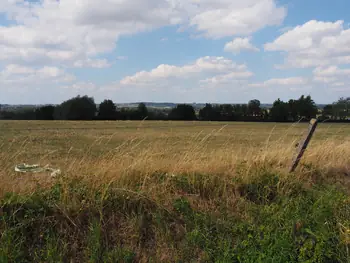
x=196 y=196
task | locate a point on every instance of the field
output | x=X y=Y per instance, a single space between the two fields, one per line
x=174 y=192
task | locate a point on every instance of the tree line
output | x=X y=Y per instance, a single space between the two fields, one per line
x=85 y=108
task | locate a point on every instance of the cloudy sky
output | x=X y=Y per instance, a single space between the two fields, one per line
x=226 y=51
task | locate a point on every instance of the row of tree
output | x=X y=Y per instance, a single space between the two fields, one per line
x=85 y=108
x=293 y=110
x=339 y=110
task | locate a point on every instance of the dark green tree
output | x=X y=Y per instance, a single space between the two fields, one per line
x=254 y=109
x=107 y=110
x=157 y=114
x=244 y=108
x=182 y=112
x=341 y=109
x=206 y=113
x=279 y=111
x=306 y=107
x=77 y=108
x=210 y=113
x=45 y=113
x=293 y=110
x=328 y=112
x=227 y=112
x=18 y=114
x=142 y=111
x=240 y=111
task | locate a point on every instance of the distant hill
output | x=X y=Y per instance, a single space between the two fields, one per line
x=10 y=107
x=148 y=104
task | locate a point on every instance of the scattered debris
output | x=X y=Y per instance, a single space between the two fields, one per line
x=36 y=168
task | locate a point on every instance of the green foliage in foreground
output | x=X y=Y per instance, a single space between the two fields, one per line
x=269 y=222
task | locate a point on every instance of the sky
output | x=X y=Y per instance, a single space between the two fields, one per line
x=182 y=51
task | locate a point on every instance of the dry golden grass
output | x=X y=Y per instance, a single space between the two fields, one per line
x=137 y=169
x=103 y=152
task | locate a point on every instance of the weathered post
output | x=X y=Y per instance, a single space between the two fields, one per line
x=304 y=144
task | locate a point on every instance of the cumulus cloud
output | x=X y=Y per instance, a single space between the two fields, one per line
x=224 y=18
x=13 y=69
x=222 y=68
x=314 y=44
x=331 y=71
x=228 y=78
x=330 y=79
x=293 y=81
x=240 y=44
x=17 y=74
x=41 y=38
x=92 y=63
x=73 y=33
x=333 y=76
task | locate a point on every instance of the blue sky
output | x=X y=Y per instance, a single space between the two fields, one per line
x=225 y=51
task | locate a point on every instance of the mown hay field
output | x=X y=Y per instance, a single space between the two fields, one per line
x=174 y=192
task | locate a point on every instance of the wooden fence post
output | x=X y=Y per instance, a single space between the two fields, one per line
x=303 y=146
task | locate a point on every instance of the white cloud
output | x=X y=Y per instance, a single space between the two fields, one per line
x=240 y=44
x=16 y=74
x=220 y=67
x=313 y=44
x=73 y=33
x=333 y=76
x=44 y=37
x=287 y=81
x=325 y=80
x=92 y=63
x=50 y=72
x=13 y=69
x=205 y=79
x=41 y=38
x=293 y=81
x=331 y=71
x=228 y=78
x=81 y=86
x=221 y=18
x=329 y=79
